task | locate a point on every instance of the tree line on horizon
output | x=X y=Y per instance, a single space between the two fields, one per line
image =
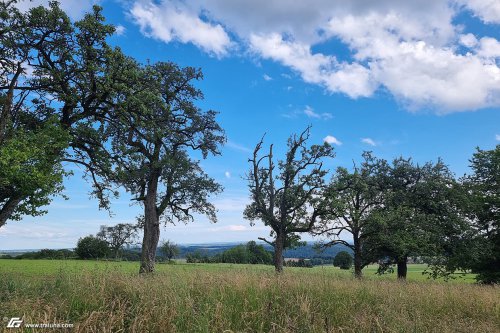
x=67 y=98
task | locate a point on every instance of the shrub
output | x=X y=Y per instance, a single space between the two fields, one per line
x=343 y=260
x=91 y=247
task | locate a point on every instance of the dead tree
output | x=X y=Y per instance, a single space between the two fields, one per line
x=288 y=198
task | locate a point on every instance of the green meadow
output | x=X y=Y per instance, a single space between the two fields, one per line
x=111 y=297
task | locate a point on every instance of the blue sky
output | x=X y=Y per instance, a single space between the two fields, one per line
x=415 y=79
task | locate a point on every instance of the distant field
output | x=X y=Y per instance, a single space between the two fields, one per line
x=112 y=297
x=49 y=267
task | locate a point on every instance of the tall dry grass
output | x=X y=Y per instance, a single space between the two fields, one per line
x=246 y=301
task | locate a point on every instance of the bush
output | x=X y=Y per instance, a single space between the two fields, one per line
x=299 y=263
x=343 y=260
x=91 y=247
x=47 y=254
x=251 y=253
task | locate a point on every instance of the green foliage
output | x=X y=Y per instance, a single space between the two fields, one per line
x=301 y=262
x=91 y=247
x=155 y=126
x=350 y=198
x=45 y=57
x=48 y=254
x=422 y=216
x=484 y=186
x=197 y=257
x=118 y=236
x=343 y=260
x=30 y=169
x=251 y=253
x=169 y=250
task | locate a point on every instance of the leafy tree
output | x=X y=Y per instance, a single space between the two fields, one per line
x=288 y=199
x=343 y=260
x=420 y=217
x=251 y=253
x=118 y=236
x=151 y=133
x=478 y=249
x=91 y=247
x=484 y=187
x=56 y=75
x=351 y=197
x=30 y=169
x=258 y=254
x=169 y=250
x=301 y=262
x=197 y=257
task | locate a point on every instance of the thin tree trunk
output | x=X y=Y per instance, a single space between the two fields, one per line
x=358 y=263
x=402 y=268
x=279 y=245
x=151 y=230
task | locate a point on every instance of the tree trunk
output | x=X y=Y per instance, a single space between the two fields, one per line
x=358 y=263
x=402 y=268
x=279 y=245
x=151 y=231
x=7 y=209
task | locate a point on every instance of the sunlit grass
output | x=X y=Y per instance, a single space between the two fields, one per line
x=112 y=297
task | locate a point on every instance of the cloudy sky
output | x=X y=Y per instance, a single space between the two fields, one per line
x=412 y=78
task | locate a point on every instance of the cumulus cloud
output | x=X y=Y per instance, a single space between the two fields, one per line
x=411 y=49
x=171 y=20
x=497 y=137
x=369 y=141
x=330 y=139
x=227 y=174
x=267 y=77
x=486 y=10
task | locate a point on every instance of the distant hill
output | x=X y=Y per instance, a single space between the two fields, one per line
x=306 y=252
x=211 y=249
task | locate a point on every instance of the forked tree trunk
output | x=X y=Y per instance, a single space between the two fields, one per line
x=279 y=246
x=402 y=268
x=358 y=262
x=151 y=231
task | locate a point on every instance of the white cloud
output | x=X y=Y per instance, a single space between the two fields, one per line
x=267 y=77
x=120 y=30
x=175 y=21
x=489 y=48
x=468 y=40
x=410 y=49
x=497 y=137
x=74 y=8
x=368 y=141
x=233 y=204
x=237 y=146
x=332 y=140
x=309 y=111
x=486 y=10
x=227 y=174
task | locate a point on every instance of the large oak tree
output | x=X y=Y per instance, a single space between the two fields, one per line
x=61 y=77
x=154 y=133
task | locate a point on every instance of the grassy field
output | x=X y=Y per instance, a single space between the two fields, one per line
x=111 y=297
